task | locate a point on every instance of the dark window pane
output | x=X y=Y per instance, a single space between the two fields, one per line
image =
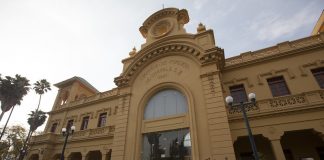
x=238 y=93
x=319 y=76
x=53 y=128
x=102 y=119
x=278 y=86
x=69 y=125
x=85 y=122
x=173 y=145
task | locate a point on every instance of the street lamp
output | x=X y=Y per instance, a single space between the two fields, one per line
x=66 y=133
x=242 y=105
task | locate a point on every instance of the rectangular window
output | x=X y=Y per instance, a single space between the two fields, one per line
x=319 y=76
x=278 y=86
x=53 y=128
x=69 y=124
x=102 y=119
x=238 y=93
x=85 y=122
x=167 y=145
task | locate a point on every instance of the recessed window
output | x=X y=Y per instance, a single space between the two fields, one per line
x=166 y=103
x=238 y=93
x=319 y=76
x=166 y=144
x=85 y=122
x=64 y=97
x=278 y=86
x=102 y=119
x=53 y=128
x=69 y=124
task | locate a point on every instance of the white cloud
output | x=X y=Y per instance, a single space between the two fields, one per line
x=198 y=4
x=270 y=26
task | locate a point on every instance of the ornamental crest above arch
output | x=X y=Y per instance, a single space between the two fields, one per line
x=203 y=57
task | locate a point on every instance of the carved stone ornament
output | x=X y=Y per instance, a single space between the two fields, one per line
x=214 y=55
x=157 y=24
x=161 y=28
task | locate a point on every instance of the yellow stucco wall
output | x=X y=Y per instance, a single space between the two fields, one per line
x=193 y=65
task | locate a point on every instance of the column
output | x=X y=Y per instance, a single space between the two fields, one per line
x=84 y=156
x=103 y=154
x=277 y=149
x=41 y=156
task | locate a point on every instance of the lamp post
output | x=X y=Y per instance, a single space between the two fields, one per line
x=66 y=133
x=242 y=105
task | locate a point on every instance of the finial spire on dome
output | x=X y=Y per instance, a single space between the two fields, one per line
x=201 y=28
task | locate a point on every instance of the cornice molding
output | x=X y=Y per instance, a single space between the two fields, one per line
x=280 y=50
x=70 y=106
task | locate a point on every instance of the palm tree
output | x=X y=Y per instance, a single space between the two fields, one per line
x=36 y=119
x=40 y=88
x=12 y=91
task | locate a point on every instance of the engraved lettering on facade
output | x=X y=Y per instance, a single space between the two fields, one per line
x=211 y=84
x=163 y=69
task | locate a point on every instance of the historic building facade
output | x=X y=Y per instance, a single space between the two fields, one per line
x=169 y=101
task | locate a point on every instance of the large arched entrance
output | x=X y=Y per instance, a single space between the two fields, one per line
x=34 y=157
x=302 y=144
x=94 y=155
x=75 y=156
x=243 y=149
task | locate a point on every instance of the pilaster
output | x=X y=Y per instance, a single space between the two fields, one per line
x=221 y=145
x=274 y=135
x=118 y=147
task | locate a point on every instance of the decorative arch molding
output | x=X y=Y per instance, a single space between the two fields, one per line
x=182 y=48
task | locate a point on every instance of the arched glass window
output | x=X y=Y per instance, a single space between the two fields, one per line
x=166 y=103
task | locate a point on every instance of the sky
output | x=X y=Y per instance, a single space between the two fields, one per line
x=56 y=40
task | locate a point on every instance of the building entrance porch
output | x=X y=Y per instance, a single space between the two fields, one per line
x=293 y=145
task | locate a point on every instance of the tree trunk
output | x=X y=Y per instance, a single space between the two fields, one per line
x=4 y=108
x=1 y=115
x=36 y=113
x=23 y=150
x=4 y=128
x=40 y=97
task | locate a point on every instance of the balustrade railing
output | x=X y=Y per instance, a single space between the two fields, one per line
x=285 y=103
x=107 y=131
